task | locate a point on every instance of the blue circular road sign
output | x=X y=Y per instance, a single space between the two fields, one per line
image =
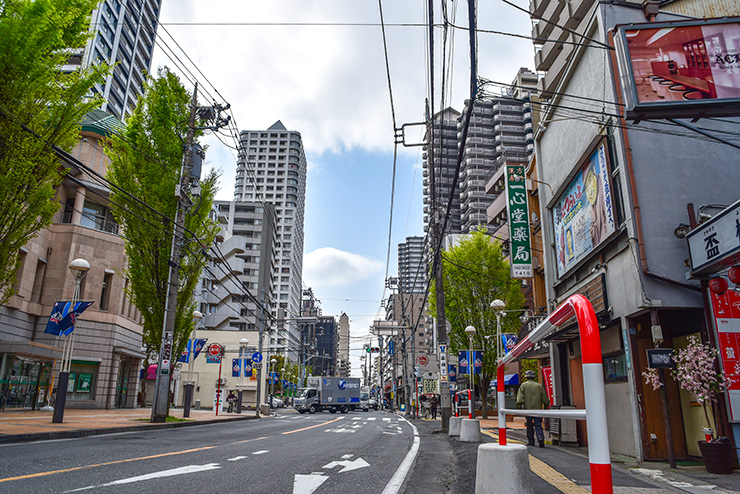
x=257 y=357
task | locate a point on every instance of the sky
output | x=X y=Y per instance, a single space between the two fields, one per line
x=328 y=81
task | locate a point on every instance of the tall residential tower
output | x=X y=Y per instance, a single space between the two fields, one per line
x=272 y=169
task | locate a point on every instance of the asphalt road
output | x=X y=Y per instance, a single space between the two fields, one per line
x=358 y=452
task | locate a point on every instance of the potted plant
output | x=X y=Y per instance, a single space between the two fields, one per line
x=696 y=373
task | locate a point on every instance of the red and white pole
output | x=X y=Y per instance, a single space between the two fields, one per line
x=471 y=405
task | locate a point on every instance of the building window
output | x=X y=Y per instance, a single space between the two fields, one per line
x=105 y=291
x=615 y=367
x=38 y=281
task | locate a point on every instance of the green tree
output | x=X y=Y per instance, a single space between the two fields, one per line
x=475 y=272
x=145 y=163
x=40 y=107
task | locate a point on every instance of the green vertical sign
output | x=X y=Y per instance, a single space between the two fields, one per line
x=518 y=213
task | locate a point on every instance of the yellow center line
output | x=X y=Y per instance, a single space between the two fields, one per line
x=313 y=426
x=162 y=455
x=547 y=473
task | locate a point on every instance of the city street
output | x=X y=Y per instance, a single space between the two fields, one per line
x=295 y=453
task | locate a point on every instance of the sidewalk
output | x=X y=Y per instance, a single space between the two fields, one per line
x=24 y=426
x=689 y=476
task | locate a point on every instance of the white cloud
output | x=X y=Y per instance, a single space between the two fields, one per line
x=327 y=267
x=329 y=81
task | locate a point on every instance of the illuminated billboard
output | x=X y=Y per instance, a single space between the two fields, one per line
x=680 y=69
x=583 y=217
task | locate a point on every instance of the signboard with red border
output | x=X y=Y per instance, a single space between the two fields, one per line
x=726 y=318
x=547 y=382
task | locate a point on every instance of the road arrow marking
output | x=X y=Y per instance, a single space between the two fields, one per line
x=306 y=484
x=348 y=465
x=236 y=458
x=347 y=457
x=156 y=475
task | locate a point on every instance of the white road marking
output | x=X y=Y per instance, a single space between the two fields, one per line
x=394 y=485
x=306 y=484
x=340 y=430
x=236 y=458
x=356 y=418
x=347 y=457
x=370 y=418
x=156 y=475
x=660 y=476
x=261 y=452
x=386 y=419
x=348 y=465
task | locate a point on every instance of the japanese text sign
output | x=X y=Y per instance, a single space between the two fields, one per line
x=517 y=211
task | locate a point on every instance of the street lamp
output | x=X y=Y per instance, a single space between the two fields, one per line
x=272 y=381
x=79 y=267
x=190 y=383
x=497 y=306
x=242 y=370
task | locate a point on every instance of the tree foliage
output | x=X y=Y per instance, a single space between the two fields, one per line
x=40 y=107
x=146 y=162
x=475 y=272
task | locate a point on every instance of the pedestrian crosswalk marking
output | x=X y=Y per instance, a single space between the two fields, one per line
x=356 y=418
x=237 y=458
x=370 y=418
x=386 y=419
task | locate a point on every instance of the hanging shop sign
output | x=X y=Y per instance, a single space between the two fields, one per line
x=680 y=69
x=517 y=212
x=583 y=217
x=715 y=244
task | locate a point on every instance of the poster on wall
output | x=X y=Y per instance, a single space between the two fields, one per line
x=670 y=69
x=583 y=217
x=726 y=317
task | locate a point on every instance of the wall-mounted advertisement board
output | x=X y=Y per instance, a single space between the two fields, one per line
x=583 y=217
x=680 y=69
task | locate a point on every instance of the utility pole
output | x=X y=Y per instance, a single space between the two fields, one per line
x=187 y=180
x=259 y=349
x=162 y=383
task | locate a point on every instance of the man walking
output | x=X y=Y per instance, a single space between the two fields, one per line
x=532 y=396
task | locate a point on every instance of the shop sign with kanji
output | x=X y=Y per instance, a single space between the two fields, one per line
x=517 y=212
x=715 y=243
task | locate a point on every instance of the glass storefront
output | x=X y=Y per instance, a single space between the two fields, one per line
x=24 y=382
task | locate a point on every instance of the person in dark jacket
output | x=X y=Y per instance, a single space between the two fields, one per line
x=433 y=404
x=532 y=396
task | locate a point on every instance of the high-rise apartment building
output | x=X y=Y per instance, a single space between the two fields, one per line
x=345 y=367
x=272 y=169
x=124 y=36
x=443 y=157
x=412 y=265
x=500 y=132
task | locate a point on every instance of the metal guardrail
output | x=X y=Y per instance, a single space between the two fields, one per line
x=593 y=385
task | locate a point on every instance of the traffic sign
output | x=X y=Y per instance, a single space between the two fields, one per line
x=257 y=357
x=214 y=349
x=422 y=360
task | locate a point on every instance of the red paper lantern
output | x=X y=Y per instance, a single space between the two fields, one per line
x=734 y=274
x=718 y=285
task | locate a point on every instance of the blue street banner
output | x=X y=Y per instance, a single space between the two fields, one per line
x=62 y=318
x=236 y=367
x=248 y=367
x=508 y=341
x=391 y=347
x=199 y=344
x=462 y=362
x=477 y=362
x=452 y=372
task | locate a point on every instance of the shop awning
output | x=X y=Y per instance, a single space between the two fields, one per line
x=509 y=380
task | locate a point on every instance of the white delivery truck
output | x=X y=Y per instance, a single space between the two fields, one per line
x=336 y=394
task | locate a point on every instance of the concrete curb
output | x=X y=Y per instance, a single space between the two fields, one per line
x=145 y=426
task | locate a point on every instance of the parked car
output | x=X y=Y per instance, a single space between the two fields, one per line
x=277 y=402
x=373 y=403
